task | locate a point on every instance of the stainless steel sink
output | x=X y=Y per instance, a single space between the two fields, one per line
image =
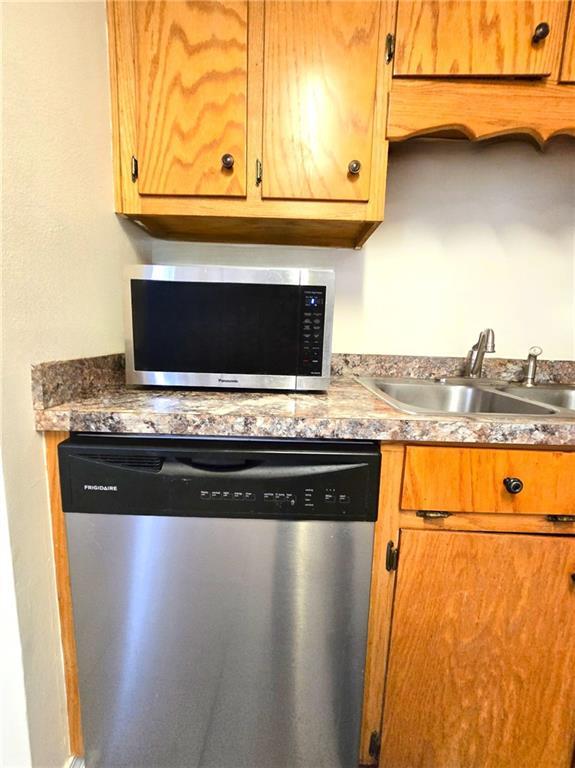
x=420 y=396
x=555 y=395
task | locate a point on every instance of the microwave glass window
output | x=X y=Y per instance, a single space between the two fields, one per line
x=215 y=327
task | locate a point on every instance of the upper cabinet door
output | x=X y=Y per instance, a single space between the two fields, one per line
x=191 y=60
x=319 y=96
x=479 y=37
x=568 y=65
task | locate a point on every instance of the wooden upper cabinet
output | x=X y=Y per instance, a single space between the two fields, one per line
x=320 y=71
x=191 y=64
x=488 y=38
x=568 y=64
x=482 y=654
x=296 y=87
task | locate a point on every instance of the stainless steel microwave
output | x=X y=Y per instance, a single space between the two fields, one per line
x=229 y=327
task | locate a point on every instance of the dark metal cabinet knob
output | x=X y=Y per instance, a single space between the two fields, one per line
x=573 y=578
x=541 y=32
x=228 y=161
x=513 y=484
x=354 y=167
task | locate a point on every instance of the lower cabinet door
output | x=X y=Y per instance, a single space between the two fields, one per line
x=482 y=658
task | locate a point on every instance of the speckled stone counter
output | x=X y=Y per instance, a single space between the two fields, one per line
x=89 y=396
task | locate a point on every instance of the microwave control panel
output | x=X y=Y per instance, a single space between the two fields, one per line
x=312 y=330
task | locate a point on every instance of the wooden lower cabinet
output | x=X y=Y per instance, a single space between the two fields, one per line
x=452 y=479
x=481 y=669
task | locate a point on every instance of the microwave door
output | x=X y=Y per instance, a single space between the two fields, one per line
x=226 y=333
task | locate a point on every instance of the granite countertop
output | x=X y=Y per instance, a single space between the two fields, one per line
x=88 y=395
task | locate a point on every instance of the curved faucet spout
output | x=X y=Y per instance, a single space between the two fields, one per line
x=474 y=362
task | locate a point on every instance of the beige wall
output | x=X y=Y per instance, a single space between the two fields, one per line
x=474 y=236
x=63 y=256
x=14 y=742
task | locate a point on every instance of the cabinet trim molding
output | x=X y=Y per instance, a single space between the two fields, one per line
x=64 y=592
x=381 y=596
x=480 y=110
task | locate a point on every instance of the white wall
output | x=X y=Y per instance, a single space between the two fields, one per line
x=474 y=236
x=63 y=254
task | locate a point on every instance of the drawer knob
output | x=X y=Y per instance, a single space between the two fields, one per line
x=228 y=161
x=354 y=167
x=513 y=484
x=541 y=32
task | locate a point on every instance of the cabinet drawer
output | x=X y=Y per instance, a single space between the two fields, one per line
x=472 y=480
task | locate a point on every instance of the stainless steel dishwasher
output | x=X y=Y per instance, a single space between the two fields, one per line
x=220 y=595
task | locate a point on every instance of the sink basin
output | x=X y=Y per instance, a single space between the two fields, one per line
x=417 y=396
x=554 y=394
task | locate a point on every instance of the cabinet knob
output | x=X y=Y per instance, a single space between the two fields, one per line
x=541 y=32
x=354 y=167
x=227 y=161
x=573 y=578
x=513 y=484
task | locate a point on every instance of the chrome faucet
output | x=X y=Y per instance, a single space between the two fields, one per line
x=531 y=373
x=474 y=363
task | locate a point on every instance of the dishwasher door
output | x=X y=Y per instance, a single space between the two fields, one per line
x=220 y=643
x=220 y=593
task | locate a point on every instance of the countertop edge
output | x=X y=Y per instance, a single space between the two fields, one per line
x=396 y=428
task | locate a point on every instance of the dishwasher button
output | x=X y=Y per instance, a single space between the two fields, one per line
x=329 y=498
x=204 y=494
x=343 y=498
x=269 y=496
x=216 y=494
x=238 y=495
x=249 y=496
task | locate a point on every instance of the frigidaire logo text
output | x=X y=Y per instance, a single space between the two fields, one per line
x=100 y=487
x=228 y=381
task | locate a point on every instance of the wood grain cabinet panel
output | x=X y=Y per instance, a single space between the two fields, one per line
x=191 y=62
x=472 y=480
x=489 y=38
x=568 y=63
x=320 y=68
x=482 y=654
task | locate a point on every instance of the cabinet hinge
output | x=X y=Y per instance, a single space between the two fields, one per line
x=432 y=514
x=134 y=168
x=389 y=48
x=391 y=557
x=258 y=172
x=374 y=744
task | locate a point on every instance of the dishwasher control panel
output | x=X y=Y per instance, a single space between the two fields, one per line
x=202 y=478
x=323 y=501
x=310 y=499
